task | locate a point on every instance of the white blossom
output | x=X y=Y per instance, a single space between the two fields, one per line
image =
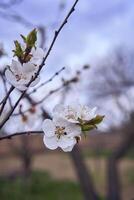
x=73 y=113
x=37 y=55
x=60 y=133
x=19 y=75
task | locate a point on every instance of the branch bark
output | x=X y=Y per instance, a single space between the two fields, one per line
x=114 y=188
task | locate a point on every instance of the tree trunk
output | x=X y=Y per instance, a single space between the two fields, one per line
x=114 y=188
x=26 y=157
x=83 y=175
x=113 y=180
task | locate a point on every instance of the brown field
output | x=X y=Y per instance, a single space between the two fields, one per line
x=59 y=165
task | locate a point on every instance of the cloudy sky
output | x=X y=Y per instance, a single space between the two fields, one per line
x=94 y=28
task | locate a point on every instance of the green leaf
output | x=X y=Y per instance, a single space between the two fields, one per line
x=31 y=38
x=18 y=50
x=97 y=120
x=91 y=124
x=87 y=127
x=23 y=37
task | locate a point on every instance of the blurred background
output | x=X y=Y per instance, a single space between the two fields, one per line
x=96 y=47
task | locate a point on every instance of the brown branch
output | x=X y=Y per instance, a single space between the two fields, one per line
x=5 y=99
x=5 y=88
x=63 y=86
x=47 y=81
x=43 y=62
x=20 y=133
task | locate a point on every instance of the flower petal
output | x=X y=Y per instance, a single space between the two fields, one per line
x=48 y=127
x=16 y=66
x=20 y=87
x=86 y=113
x=68 y=149
x=65 y=142
x=93 y=113
x=28 y=68
x=38 y=53
x=50 y=142
x=9 y=76
x=60 y=121
x=73 y=130
x=71 y=113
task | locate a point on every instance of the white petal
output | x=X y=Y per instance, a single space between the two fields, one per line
x=60 y=121
x=48 y=127
x=16 y=66
x=65 y=142
x=20 y=87
x=73 y=130
x=93 y=112
x=9 y=76
x=68 y=149
x=28 y=68
x=86 y=113
x=38 y=53
x=35 y=82
x=66 y=112
x=71 y=113
x=50 y=142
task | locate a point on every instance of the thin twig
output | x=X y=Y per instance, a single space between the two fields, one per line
x=47 y=81
x=64 y=85
x=5 y=99
x=5 y=88
x=20 y=133
x=43 y=62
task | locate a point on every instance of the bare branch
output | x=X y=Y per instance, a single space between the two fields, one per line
x=5 y=99
x=47 y=81
x=5 y=88
x=63 y=86
x=43 y=62
x=20 y=133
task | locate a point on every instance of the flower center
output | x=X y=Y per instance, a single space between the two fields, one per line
x=18 y=77
x=71 y=114
x=60 y=131
x=24 y=118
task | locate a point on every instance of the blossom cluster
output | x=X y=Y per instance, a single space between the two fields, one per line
x=25 y=67
x=67 y=125
x=68 y=122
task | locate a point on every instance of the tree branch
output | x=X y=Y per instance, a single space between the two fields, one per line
x=43 y=62
x=5 y=99
x=20 y=133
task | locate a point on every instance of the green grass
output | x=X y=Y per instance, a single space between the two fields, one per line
x=105 y=153
x=39 y=187
x=130 y=175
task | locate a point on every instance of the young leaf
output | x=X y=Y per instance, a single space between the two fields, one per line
x=87 y=127
x=18 y=50
x=31 y=38
x=97 y=120
x=23 y=37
